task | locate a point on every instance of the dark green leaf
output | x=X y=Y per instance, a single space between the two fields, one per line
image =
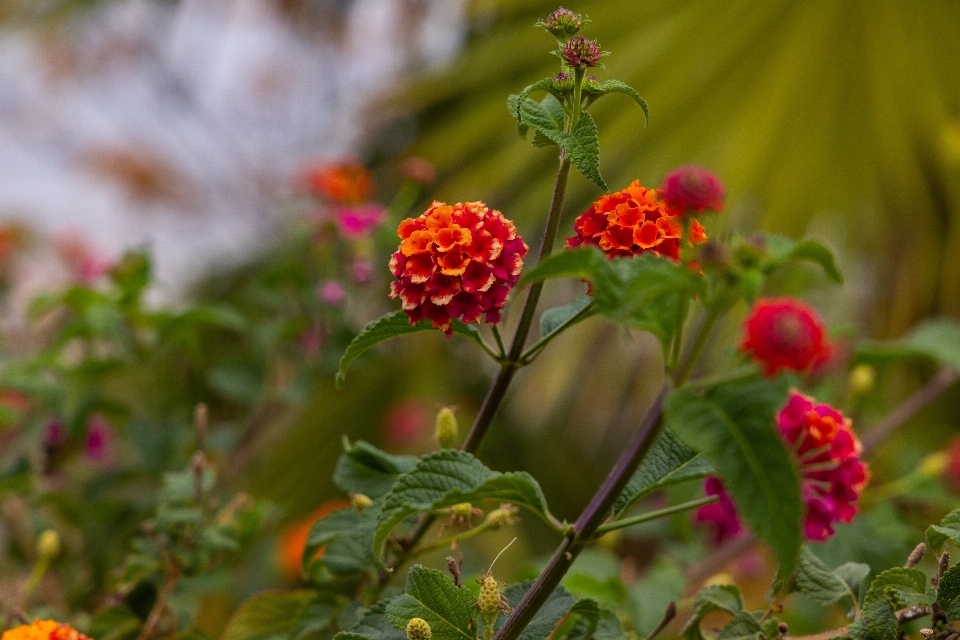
x=718 y=597
x=557 y=316
x=541 y=85
x=948 y=591
x=344 y=551
x=743 y=627
x=543 y=116
x=390 y=326
x=268 y=616
x=853 y=574
x=449 y=477
x=733 y=426
x=373 y=626
x=816 y=581
x=781 y=249
x=314 y=617
x=583 y=147
x=115 y=623
x=615 y=86
x=367 y=470
x=430 y=595
x=547 y=618
x=936 y=338
x=885 y=595
x=669 y=462
x=948 y=529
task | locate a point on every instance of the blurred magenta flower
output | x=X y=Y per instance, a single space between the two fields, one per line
x=331 y=292
x=355 y=221
x=692 y=188
x=98 y=446
x=361 y=271
x=722 y=515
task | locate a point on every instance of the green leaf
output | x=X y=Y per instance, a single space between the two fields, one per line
x=541 y=85
x=885 y=595
x=718 y=597
x=449 y=477
x=430 y=595
x=615 y=86
x=733 y=426
x=643 y=292
x=390 y=326
x=547 y=618
x=268 y=616
x=583 y=147
x=344 y=551
x=669 y=462
x=373 y=626
x=365 y=469
x=816 y=581
x=314 y=617
x=115 y=623
x=781 y=249
x=853 y=574
x=948 y=529
x=557 y=316
x=663 y=583
x=936 y=338
x=744 y=626
x=948 y=591
x=546 y=116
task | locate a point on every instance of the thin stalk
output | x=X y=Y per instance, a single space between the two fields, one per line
x=496 y=336
x=721 y=378
x=659 y=513
x=580 y=534
x=692 y=357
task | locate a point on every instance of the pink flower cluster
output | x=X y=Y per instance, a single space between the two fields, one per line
x=456 y=261
x=831 y=473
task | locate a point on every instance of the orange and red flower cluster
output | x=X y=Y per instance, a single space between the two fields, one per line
x=634 y=221
x=831 y=472
x=456 y=262
x=43 y=630
x=784 y=334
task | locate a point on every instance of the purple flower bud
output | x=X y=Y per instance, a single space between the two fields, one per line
x=563 y=23
x=563 y=81
x=581 y=52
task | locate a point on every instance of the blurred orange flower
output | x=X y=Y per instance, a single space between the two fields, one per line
x=345 y=183
x=293 y=540
x=43 y=630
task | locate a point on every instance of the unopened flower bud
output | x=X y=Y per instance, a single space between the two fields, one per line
x=360 y=501
x=462 y=509
x=563 y=23
x=862 y=378
x=502 y=516
x=48 y=544
x=581 y=52
x=591 y=85
x=563 y=82
x=934 y=464
x=488 y=602
x=418 y=629
x=447 y=429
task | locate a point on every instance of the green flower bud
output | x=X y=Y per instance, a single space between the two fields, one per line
x=360 y=501
x=502 y=516
x=447 y=429
x=418 y=629
x=488 y=602
x=462 y=509
x=48 y=544
x=862 y=378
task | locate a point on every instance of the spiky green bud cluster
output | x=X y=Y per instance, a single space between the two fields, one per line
x=563 y=23
x=418 y=629
x=489 y=599
x=447 y=429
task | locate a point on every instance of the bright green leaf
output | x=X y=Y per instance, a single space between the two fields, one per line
x=615 y=86
x=948 y=529
x=430 y=595
x=367 y=470
x=268 y=616
x=390 y=326
x=541 y=85
x=669 y=462
x=886 y=594
x=733 y=426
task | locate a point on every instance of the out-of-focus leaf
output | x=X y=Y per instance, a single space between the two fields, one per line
x=557 y=316
x=936 y=338
x=367 y=470
x=948 y=529
x=268 y=616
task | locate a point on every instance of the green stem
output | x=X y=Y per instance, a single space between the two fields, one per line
x=531 y=353
x=577 y=98
x=496 y=336
x=677 y=340
x=692 y=357
x=653 y=515
x=721 y=378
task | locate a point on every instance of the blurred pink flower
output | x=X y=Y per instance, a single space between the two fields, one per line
x=721 y=515
x=357 y=220
x=407 y=421
x=331 y=292
x=54 y=435
x=86 y=264
x=311 y=341
x=361 y=271
x=692 y=188
x=98 y=446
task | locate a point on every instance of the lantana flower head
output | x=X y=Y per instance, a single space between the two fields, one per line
x=832 y=476
x=580 y=51
x=633 y=221
x=784 y=334
x=563 y=23
x=692 y=188
x=43 y=630
x=456 y=262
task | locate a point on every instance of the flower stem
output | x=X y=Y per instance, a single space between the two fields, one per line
x=692 y=356
x=587 y=525
x=653 y=515
x=538 y=346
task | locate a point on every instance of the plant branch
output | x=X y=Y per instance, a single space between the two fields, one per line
x=907 y=409
x=528 y=356
x=659 y=513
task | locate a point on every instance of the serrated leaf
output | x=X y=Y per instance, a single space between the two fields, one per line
x=816 y=581
x=449 y=477
x=365 y=469
x=540 y=141
x=546 y=116
x=669 y=462
x=948 y=590
x=948 y=529
x=645 y=292
x=615 y=86
x=583 y=147
x=732 y=426
x=430 y=595
x=744 y=626
x=268 y=616
x=718 y=597
x=344 y=550
x=879 y=613
x=541 y=85
x=390 y=326
x=546 y=619
x=557 y=316
x=936 y=338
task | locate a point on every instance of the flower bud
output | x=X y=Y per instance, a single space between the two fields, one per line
x=581 y=52
x=418 y=629
x=563 y=82
x=591 y=85
x=502 y=516
x=360 y=501
x=447 y=428
x=48 y=544
x=563 y=23
x=862 y=379
x=462 y=509
x=489 y=600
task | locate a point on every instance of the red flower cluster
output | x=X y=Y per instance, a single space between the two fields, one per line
x=784 y=333
x=831 y=471
x=692 y=188
x=634 y=221
x=832 y=476
x=454 y=262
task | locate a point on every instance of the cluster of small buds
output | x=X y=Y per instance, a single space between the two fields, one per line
x=563 y=82
x=634 y=221
x=418 y=629
x=563 y=23
x=581 y=52
x=491 y=602
x=785 y=334
x=456 y=262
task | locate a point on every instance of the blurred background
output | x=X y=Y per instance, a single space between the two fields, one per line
x=261 y=152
